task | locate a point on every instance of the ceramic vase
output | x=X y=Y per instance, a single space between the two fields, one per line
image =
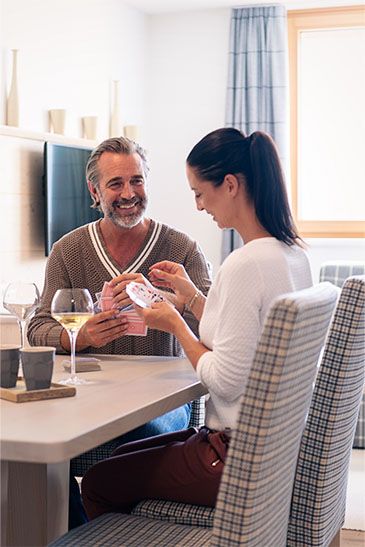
x=57 y=119
x=12 y=107
x=131 y=132
x=89 y=127
x=115 y=126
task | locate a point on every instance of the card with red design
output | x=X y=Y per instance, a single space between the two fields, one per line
x=106 y=297
x=142 y=295
x=136 y=325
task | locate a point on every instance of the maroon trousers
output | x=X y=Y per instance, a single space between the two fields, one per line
x=184 y=466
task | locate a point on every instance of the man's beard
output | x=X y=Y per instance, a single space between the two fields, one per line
x=129 y=220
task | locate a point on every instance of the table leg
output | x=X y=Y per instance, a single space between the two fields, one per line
x=37 y=502
x=4 y=499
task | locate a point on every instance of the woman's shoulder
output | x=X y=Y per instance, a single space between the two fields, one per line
x=240 y=262
x=263 y=254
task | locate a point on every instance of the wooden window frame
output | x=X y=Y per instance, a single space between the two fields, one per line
x=299 y=20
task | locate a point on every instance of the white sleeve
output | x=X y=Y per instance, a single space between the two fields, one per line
x=224 y=370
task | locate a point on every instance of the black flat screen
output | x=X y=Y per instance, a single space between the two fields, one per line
x=67 y=198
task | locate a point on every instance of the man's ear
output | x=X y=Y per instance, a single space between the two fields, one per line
x=93 y=191
x=232 y=184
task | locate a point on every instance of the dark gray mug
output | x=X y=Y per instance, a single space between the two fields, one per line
x=37 y=364
x=9 y=359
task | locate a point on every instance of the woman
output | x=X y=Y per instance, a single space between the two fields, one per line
x=238 y=180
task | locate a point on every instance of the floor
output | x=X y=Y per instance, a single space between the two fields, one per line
x=353 y=532
x=352 y=538
x=355 y=507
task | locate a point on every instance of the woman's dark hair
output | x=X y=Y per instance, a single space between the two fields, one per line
x=228 y=151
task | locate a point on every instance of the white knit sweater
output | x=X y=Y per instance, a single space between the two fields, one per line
x=246 y=284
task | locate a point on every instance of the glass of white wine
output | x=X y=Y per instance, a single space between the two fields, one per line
x=21 y=299
x=72 y=308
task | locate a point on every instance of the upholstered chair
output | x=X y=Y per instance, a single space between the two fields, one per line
x=319 y=496
x=337 y=273
x=253 y=503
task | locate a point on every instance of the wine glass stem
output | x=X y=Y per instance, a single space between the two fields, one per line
x=22 y=325
x=73 y=335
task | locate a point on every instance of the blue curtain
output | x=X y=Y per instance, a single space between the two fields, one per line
x=257 y=93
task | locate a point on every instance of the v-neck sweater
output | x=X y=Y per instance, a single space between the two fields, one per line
x=81 y=259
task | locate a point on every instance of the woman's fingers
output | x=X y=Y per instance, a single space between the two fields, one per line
x=161 y=278
x=165 y=265
x=162 y=316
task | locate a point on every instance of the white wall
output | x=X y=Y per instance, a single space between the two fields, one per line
x=187 y=74
x=327 y=250
x=69 y=51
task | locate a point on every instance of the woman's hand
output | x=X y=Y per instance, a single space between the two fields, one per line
x=174 y=276
x=161 y=316
x=119 y=283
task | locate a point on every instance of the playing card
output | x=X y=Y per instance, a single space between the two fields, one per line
x=106 y=297
x=83 y=364
x=107 y=291
x=136 y=325
x=106 y=303
x=142 y=295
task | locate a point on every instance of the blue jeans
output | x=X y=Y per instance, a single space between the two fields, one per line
x=175 y=420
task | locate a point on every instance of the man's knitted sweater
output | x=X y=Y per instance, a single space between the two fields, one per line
x=80 y=259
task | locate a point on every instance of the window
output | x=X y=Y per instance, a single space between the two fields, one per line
x=327 y=90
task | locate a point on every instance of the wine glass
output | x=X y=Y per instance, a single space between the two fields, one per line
x=21 y=299
x=72 y=308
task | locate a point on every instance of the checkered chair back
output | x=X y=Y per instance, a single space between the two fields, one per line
x=254 y=498
x=197 y=415
x=337 y=273
x=319 y=495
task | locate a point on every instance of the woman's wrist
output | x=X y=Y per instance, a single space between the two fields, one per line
x=177 y=326
x=191 y=303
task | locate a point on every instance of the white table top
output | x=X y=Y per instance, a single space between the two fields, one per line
x=126 y=393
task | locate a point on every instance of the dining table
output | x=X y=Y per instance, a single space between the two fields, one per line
x=40 y=437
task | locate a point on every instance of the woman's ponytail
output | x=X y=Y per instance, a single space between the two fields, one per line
x=267 y=189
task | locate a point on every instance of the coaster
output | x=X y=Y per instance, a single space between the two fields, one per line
x=19 y=393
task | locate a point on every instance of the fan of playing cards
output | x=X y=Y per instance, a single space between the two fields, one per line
x=142 y=295
x=136 y=325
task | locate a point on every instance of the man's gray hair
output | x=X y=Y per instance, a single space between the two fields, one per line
x=117 y=145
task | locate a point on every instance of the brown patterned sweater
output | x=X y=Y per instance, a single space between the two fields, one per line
x=80 y=259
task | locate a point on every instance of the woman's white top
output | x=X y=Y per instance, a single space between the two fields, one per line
x=246 y=284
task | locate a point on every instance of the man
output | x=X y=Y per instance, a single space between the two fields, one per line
x=119 y=248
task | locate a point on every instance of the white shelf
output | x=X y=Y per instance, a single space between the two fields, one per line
x=18 y=132
x=7 y=318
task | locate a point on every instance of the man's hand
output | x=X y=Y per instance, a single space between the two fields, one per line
x=119 y=283
x=98 y=331
x=174 y=276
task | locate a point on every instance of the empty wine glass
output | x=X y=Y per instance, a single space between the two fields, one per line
x=72 y=308
x=21 y=299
